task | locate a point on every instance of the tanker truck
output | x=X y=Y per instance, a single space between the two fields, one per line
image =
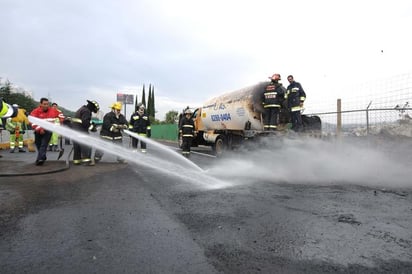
x=227 y=121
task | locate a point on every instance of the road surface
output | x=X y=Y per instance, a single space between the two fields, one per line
x=133 y=218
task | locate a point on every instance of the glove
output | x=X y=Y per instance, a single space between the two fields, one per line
x=149 y=133
x=114 y=128
x=67 y=121
x=123 y=126
x=93 y=127
x=41 y=131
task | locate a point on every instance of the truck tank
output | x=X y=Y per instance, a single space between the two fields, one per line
x=234 y=111
x=228 y=120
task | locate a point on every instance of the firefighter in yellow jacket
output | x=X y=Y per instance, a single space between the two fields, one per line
x=17 y=126
x=6 y=111
x=54 y=140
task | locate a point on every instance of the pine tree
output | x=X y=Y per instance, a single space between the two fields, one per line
x=149 y=99
x=153 y=103
x=135 y=104
x=143 y=97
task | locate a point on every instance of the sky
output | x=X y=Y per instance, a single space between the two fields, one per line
x=190 y=51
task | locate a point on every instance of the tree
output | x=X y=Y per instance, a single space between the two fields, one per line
x=135 y=104
x=152 y=102
x=149 y=99
x=143 y=97
x=5 y=90
x=22 y=100
x=171 y=116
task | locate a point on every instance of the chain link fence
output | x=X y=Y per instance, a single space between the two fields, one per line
x=385 y=105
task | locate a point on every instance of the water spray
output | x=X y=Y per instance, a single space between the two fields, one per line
x=176 y=165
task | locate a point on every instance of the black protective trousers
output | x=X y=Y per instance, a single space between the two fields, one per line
x=296 y=117
x=186 y=144
x=270 y=118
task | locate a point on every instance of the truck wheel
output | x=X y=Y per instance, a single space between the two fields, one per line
x=219 y=146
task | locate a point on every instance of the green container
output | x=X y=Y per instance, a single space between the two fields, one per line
x=165 y=132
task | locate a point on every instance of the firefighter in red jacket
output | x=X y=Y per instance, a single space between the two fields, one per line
x=42 y=136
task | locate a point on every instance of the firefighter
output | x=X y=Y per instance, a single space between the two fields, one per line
x=6 y=111
x=82 y=122
x=113 y=124
x=295 y=96
x=187 y=131
x=42 y=136
x=272 y=99
x=140 y=123
x=54 y=140
x=17 y=126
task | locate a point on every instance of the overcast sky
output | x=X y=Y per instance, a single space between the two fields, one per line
x=74 y=50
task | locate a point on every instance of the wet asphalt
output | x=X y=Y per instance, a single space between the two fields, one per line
x=128 y=218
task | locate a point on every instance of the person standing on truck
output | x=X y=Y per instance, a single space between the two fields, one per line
x=295 y=96
x=272 y=99
x=187 y=131
x=82 y=123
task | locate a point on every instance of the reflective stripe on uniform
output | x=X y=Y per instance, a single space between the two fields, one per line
x=298 y=108
x=112 y=138
x=76 y=120
x=272 y=106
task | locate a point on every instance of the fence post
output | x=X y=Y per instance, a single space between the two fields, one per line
x=367 y=118
x=338 y=117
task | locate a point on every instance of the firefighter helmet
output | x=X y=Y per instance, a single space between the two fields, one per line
x=275 y=76
x=95 y=106
x=117 y=105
